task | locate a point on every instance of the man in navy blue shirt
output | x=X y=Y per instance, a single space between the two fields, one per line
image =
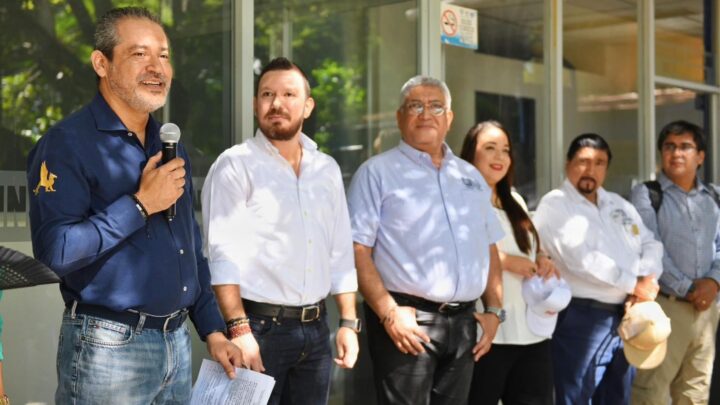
x=129 y=276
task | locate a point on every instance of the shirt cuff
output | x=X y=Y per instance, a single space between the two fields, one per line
x=684 y=287
x=364 y=240
x=344 y=284
x=627 y=282
x=224 y=272
x=125 y=215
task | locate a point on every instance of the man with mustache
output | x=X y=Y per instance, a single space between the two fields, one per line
x=278 y=242
x=130 y=278
x=601 y=247
x=686 y=218
x=425 y=235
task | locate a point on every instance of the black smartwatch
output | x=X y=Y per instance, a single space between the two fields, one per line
x=353 y=324
x=499 y=312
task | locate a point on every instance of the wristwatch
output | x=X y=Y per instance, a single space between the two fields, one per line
x=499 y=312
x=353 y=324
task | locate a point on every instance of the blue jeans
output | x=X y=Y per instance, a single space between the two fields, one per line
x=588 y=361
x=298 y=355
x=105 y=362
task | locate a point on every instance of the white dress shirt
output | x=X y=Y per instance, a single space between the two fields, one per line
x=600 y=250
x=285 y=239
x=430 y=228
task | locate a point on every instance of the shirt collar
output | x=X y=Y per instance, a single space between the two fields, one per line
x=666 y=183
x=421 y=157
x=575 y=195
x=106 y=120
x=309 y=146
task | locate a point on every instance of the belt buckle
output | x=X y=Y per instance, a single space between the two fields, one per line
x=307 y=310
x=448 y=307
x=176 y=314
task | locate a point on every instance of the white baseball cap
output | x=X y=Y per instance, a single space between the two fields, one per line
x=544 y=298
x=644 y=330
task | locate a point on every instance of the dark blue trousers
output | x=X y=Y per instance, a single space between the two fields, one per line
x=588 y=361
x=298 y=355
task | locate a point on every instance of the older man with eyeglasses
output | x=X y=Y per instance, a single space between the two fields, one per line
x=425 y=234
x=683 y=213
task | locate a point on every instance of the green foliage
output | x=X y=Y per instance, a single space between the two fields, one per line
x=338 y=94
x=46 y=74
x=326 y=40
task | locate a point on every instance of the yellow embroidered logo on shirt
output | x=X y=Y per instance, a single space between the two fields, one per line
x=635 y=230
x=47 y=180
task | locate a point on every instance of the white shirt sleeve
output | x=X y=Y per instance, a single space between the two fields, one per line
x=342 y=261
x=224 y=213
x=566 y=237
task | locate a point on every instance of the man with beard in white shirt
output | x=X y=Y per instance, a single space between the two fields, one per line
x=601 y=247
x=278 y=242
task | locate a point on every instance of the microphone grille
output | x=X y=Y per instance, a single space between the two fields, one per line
x=169 y=132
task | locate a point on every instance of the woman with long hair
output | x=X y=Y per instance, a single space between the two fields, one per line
x=518 y=368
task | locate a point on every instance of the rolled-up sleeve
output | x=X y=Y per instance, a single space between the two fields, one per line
x=343 y=277
x=223 y=208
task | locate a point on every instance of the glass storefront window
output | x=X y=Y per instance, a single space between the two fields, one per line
x=600 y=82
x=683 y=40
x=503 y=80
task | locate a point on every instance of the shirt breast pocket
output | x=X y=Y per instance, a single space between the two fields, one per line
x=632 y=236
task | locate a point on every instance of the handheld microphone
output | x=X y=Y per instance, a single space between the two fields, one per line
x=169 y=135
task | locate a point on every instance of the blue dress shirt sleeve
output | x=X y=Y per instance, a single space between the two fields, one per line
x=672 y=277
x=204 y=313
x=66 y=212
x=365 y=201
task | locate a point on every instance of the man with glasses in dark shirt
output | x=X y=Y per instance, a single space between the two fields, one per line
x=129 y=276
x=682 y=212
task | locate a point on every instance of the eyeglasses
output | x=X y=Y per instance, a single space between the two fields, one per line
x=417 y=108
x=684 y=147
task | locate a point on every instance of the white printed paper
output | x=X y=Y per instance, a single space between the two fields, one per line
x=214 y=387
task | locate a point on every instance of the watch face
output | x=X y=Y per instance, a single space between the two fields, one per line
x=499 y=312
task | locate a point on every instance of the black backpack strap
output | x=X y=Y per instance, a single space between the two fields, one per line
x=656 y=194
x=713 y=192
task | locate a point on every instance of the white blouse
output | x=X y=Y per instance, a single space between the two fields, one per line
x=514 y=330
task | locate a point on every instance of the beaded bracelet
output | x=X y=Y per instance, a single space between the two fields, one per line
x=237 y=321
x=237 y=330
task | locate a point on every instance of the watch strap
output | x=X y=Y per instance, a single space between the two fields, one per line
x=353 y=324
